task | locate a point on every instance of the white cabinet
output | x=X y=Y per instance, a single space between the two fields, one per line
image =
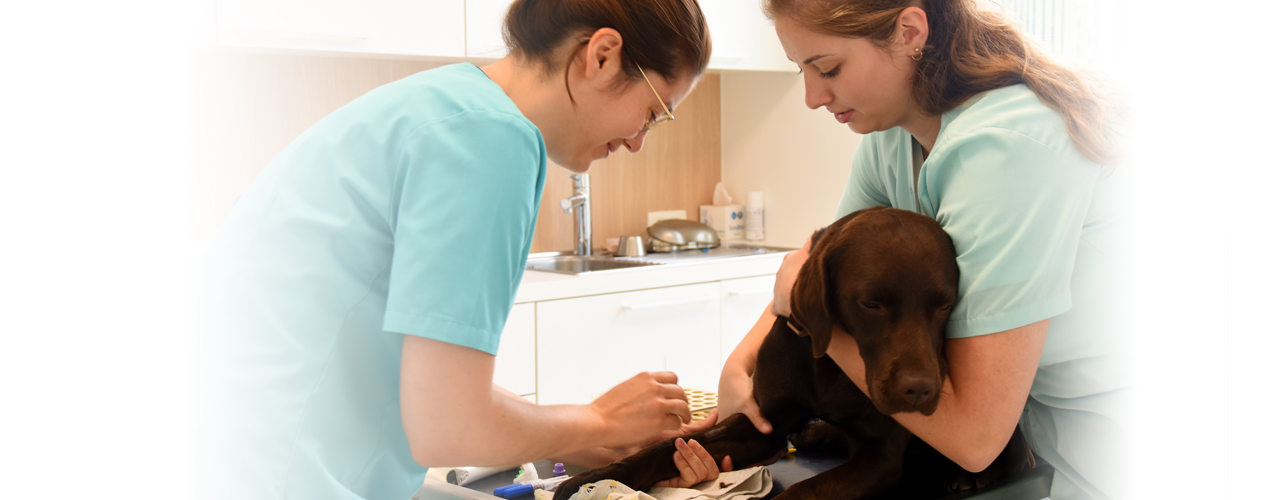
x=408 y=27
x=587 y=345
x=742 y=302
x=484 y=28
x=742 y=38
x=513 y=369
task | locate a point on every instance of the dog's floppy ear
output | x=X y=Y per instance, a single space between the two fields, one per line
x=809 y=300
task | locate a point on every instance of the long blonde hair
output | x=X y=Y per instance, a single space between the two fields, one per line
x=970 y=51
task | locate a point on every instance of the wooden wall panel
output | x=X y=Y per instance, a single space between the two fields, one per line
x=251 y=105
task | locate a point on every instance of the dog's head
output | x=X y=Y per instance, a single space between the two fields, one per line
x=889 y=278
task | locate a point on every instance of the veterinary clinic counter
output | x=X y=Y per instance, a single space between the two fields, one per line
x=1032 y=485
x=540 y=286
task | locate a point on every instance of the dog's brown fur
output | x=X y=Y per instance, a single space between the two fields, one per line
x=887 y=277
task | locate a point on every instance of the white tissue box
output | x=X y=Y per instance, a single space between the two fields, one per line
x=728 y=220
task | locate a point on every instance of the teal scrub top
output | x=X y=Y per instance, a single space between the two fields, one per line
x=410 y=210
x=1035 y=227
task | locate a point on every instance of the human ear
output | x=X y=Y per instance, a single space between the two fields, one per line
x=913 y=29
x=604 y=55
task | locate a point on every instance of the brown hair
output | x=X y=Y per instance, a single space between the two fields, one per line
x=667 y=37
x=970 y=51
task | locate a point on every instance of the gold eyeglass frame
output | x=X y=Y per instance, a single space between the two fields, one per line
x=667 y=116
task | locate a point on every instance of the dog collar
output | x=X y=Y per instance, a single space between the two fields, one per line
x=795 y=327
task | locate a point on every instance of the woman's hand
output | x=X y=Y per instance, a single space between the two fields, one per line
x=737 y=395
x=695 y=464
x=787 y=278
x=643 y=409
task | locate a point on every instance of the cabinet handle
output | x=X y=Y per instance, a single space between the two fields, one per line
x=656 y=305
x=748 y=293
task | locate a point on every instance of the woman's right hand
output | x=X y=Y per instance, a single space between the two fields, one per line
x=786 y=279
x=642 y=408
x=737 y=396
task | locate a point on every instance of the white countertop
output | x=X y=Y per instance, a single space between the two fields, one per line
x=540 y=285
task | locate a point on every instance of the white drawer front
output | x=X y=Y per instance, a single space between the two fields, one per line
x=587 y=345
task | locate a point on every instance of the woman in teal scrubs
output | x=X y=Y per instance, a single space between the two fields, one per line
x=967 y=124
x=360 y=285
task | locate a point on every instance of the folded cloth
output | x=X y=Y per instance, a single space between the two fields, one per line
x=745 y=484
x=609 y=489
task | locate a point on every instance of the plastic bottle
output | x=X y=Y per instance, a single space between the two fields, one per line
x=755 y=216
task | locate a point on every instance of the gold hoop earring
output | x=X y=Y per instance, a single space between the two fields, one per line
x=918 y=55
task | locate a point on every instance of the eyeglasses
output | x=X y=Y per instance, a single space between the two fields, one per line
x=655 y=120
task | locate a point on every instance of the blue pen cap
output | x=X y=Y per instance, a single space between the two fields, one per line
x=517 y=490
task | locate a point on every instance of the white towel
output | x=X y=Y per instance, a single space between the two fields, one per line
x=744 y=484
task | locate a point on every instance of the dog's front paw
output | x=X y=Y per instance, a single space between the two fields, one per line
x=571 y=486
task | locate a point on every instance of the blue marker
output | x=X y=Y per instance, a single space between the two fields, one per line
x=525 y=488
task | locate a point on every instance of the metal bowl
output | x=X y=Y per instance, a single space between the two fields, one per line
x=679 y=234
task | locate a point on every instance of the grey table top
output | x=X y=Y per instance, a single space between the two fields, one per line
x=1033 y=485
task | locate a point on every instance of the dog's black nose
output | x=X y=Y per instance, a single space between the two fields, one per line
x=916 y=389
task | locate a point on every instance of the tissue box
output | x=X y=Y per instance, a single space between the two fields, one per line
x=727 y=220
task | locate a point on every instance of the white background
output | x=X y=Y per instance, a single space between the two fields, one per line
x=98 y=361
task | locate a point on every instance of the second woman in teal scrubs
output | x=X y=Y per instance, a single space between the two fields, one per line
x=359 y=287
x=968 y=124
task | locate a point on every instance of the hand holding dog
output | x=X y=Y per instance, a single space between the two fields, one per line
x=786 y=279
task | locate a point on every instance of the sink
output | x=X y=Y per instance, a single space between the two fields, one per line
x=567 y=263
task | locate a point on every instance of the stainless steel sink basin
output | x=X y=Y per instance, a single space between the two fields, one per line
x=567 y=263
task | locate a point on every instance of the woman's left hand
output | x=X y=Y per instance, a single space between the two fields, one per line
x=695 y=464
x=693 y=461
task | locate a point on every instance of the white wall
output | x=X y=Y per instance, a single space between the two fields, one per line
x=772 y=142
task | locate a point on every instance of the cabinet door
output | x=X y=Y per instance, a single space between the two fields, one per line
x=408 y=27
x=513 y=368
x=588 y=345
x=743 y=302
x=742 y=38
x=484 y=28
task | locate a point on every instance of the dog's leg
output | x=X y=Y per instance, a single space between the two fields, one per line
x=865 y=475
x=822 y=439
x=735 y=437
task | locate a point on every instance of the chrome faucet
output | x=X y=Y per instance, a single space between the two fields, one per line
x=581 y=200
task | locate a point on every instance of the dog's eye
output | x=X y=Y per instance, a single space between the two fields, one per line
x=870 y=305
x=946 y=308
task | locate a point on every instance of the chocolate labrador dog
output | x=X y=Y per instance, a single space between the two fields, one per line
x=889 y=278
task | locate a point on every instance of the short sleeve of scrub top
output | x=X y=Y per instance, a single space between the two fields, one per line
x=410 y=210
x=1035 y=225
x=462 y=225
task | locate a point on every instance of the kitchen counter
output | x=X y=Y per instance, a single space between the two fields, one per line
x=539 y=285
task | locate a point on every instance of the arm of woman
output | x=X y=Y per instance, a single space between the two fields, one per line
x=452 y=415
x=982 y=396
x=736 y=394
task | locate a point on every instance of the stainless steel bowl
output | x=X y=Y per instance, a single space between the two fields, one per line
x=630 y=246
x=679 y=234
